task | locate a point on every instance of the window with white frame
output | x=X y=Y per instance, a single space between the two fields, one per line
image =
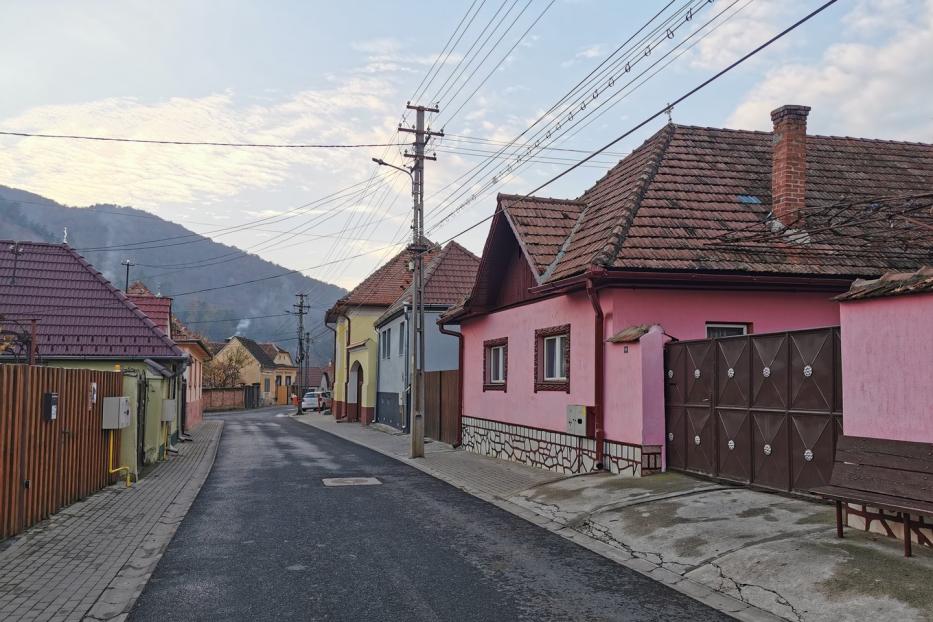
x=552 y=358
x=496 y=364
x=555 y=363
x=725 y=329
x=386 y=343
x=401 y=338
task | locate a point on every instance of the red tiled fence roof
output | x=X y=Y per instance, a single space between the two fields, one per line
x=79 y=313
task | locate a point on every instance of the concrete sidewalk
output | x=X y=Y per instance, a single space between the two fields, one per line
x=92 y=560
x=754 y=555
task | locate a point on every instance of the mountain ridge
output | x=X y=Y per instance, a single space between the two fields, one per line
x=28 y=216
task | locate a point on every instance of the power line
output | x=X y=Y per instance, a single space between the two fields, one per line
x=663 y=110
x=150 y=141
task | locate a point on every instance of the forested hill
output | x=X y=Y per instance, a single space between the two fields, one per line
x=27 y=216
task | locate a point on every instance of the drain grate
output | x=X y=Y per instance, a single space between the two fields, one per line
x=351 y=481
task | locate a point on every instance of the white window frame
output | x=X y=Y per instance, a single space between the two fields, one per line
x=402 y=338
x=386 y=343
x=497 y=354
x=560 y=362
x=710 y=325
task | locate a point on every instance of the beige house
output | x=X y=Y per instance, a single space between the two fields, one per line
x=265 y=365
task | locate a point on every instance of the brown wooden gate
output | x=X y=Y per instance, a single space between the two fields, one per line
x=757 y=409
x=442 y=404
x=62 y=460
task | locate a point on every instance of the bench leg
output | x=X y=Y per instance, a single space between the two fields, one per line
x=907 y=537
x=838 y=519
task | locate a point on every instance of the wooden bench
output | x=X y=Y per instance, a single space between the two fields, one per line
x=889 y=475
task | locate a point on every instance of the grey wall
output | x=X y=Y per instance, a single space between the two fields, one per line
x=441 y=354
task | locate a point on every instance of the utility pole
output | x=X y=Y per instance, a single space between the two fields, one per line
x=416 y=249
x=300 y=307
x=127 y=263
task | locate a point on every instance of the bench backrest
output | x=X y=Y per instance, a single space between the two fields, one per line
x=897 y=468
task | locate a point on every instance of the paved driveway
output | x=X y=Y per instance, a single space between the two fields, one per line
x=267 y=540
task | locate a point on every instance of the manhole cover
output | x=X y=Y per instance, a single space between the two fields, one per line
x=351 y=481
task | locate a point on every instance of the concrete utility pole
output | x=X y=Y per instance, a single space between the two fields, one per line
x=126 y=283
x=300 y=307
x=417 y=248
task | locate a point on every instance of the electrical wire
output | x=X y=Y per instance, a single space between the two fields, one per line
x=148 y=141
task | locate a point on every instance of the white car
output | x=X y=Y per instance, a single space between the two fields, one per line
x=315 y=400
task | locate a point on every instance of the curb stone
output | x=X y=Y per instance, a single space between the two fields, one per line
x=702 y=593
x=118 y=598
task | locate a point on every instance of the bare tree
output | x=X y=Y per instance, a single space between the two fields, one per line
x=225 y=371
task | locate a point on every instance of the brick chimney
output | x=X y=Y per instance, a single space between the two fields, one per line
x=789 y=162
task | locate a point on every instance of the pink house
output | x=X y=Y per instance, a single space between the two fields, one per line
x=887 y=354
x=698 y=233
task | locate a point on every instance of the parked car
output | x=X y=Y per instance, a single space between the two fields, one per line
x=315 y=400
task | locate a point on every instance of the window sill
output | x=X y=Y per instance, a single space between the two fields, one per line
x=560 y=385
x=494 y=387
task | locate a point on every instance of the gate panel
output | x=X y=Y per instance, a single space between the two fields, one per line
x=732 y=377
x=701 y=446
x=676 y=438
x=769 y=371
x=675 y=380
x=811 y=370
x=699 y=372
x=769 y=451
x=734 y=454
x=812 y=450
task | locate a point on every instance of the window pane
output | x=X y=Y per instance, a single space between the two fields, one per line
x=550 y=367
x=725 y=330
x=561 y=359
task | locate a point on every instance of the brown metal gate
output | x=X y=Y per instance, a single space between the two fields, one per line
x=442 y=405
x=757 y=409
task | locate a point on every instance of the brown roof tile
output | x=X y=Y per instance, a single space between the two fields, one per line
x=669 y=204
x=80 y=314
x=892 y=284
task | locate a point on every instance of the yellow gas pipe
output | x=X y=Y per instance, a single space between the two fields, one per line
x=125 y=469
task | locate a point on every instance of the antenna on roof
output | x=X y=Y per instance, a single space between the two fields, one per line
x=669 y=110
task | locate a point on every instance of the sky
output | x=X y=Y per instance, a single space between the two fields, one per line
x=341 y=72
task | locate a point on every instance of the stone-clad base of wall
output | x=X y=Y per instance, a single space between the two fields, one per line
x=555 y=451
x=888 y=523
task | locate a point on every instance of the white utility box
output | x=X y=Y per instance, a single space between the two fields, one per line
x=169 y=410
x=116 y=413
x=580 y=420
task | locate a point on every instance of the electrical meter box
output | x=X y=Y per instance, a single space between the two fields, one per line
x=50 y=406
x=116 y=413
x=580 y=420
x=169 y=409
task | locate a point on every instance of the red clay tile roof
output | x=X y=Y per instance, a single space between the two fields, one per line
x=448 y=278
x=668 y=205
x=255 y=350
x=80 y=314
x=157 y=308
x=892 y=284
x=382 y=287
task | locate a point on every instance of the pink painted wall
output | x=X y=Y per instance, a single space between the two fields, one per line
x=684 y=313
x=887 y=358
x=634 y=380
x=520 y=404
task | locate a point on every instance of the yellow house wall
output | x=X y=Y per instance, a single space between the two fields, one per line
x=159 y=389
x=362 y=327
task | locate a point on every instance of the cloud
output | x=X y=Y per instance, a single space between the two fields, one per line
x=873 y=90
x=81 y=172
x=742 y=29
x=588 y=52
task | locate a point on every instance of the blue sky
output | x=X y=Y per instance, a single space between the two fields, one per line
x=341 y=72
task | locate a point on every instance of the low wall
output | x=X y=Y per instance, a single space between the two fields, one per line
x=233 y=398
x=556 y=451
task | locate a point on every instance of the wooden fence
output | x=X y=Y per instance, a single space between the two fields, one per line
x=442 y=405
x=46 y=465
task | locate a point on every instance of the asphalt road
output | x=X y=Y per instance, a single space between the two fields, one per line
x=266 y=540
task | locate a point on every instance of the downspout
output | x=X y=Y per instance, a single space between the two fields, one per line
x=459 y=337
x=598 y=365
